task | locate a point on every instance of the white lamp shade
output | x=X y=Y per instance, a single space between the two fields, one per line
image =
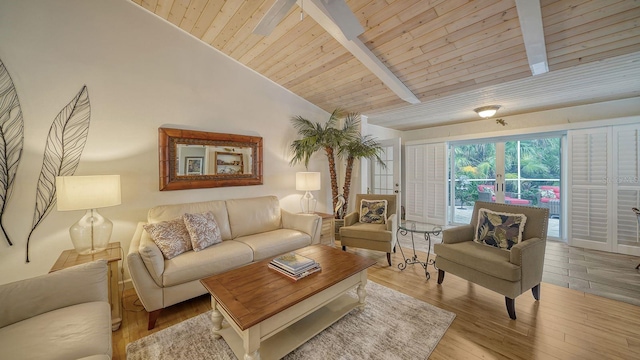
x=87 y=192
x=308 y=181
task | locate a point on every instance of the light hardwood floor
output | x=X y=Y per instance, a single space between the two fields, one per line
x=564 y=324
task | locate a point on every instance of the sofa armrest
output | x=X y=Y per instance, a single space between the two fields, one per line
x=457 y=234
x=148 y=286
x=306 y=223
x=529 y=255
x=351 y=218
x=75 y=285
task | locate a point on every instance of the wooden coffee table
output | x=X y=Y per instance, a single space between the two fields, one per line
x=268 y=315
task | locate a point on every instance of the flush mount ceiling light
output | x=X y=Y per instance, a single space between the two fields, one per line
x=487 y=111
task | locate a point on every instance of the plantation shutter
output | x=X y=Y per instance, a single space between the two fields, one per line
x=415 y=181
x=426 y=180
x=588 y=188
x=627 y=158
x=436 y=183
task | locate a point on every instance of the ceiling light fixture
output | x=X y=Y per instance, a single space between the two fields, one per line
x=487 y=111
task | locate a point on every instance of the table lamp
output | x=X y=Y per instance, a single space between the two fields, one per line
x=308 y=181
x=92 y=232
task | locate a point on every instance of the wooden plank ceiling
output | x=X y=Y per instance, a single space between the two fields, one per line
x=437 y=48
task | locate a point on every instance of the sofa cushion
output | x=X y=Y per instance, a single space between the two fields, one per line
x=203 y=230
x=253 y=215
x=213 y=260
x=498 y=229
x=485 y=259
x=218 y=207
x=373 y=211
x=373 y=232
x=272 y=243
x=67 y=333
x=171 y=237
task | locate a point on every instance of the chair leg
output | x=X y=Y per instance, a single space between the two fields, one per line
x=394 y=251
x=511 y=307
x=344 y=248
x=389 y=258
x=440 y=276
x=153 y=316
x=536 y=292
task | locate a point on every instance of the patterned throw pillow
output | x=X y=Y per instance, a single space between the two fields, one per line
x=203 y=229
x=170 y=236
x=373 y=211
x=502 y=230
x=549 y=194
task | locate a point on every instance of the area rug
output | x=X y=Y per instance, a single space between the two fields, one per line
x=392 y=326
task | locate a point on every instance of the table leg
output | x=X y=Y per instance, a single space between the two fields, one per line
x=361 y=291
x=251 y=342
x=216 y=317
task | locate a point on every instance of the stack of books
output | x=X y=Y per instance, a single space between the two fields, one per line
x=294 y=266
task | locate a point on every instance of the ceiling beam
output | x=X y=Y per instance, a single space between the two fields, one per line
x=325 y=18
x=530 y=16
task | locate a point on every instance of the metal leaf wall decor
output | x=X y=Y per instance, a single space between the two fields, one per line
x=11 y=140
x=66 y=140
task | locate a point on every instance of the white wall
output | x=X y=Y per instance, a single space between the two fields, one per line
x=142 y=73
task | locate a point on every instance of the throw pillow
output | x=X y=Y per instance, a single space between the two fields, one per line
x=501 y=230
x=170 y=236
x=373 y=211
x=488 y=189
x=203 y=230
x=549 y=194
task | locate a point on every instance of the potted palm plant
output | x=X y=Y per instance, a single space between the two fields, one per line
x=345 y=142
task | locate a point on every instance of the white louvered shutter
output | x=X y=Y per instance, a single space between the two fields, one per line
x=627 y=188
x=589 y=220
x=415 y=182
x=436 y=183
x=426 y=180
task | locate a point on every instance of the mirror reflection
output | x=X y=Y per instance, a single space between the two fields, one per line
x=213 y=160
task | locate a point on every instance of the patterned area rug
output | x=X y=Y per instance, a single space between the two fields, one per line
x=392 y=326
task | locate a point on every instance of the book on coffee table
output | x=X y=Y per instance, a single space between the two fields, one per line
x=295 y=277
x=293 y=263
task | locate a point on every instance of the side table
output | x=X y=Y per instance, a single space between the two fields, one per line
x=418 y=228
x=327 y=232
x=112 y=254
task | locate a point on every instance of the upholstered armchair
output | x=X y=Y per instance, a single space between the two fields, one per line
x=498 y=260
x=373 y=229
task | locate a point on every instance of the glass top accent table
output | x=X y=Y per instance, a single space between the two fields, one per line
x=426 y=230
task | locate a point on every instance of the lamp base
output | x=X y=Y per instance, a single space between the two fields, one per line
x=308 y=203
x=91 y=233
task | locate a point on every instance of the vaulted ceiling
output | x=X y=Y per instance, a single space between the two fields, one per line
x=453 y=55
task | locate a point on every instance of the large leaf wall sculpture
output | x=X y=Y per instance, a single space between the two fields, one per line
x=66 y=140
x=11 y=140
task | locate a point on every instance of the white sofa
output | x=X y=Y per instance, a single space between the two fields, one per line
x=252 y=229
x=61 y=315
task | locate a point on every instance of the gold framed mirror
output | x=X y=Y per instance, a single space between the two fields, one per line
x=192 y=159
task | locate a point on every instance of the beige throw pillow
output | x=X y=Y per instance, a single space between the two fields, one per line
x=203 y=230
x=170 y=236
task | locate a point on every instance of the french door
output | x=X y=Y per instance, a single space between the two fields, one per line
x=387 y=179
x=519 y=171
